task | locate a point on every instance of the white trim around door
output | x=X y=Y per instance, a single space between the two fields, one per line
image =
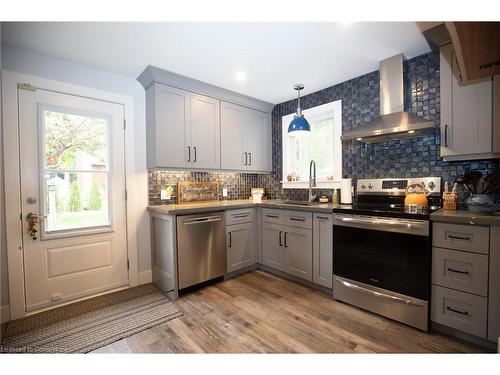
x=10 y=81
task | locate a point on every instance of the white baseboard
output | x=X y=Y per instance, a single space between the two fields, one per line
x=4 y=314
x=144 y=277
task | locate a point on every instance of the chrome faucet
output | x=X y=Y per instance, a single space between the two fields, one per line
x=312 y=180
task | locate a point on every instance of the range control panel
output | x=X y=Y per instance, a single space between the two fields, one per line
x=397 y=186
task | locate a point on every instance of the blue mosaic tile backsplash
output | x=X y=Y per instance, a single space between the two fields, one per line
x=360 y=104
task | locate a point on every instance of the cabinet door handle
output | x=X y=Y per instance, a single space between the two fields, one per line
x=459 y=238
x=246 y=158
x=458 y=271
x=250 y=157
x=286 y=239
x=189 y=153
x=297 y=219
x=272 y=216
x=322 y=217
x=194 y=148
x=446 y=135
x=240 y=216
x=281 y=238
x=230 y=239
x=456 y=311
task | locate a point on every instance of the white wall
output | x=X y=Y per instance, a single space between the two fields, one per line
x=4 y=277
x=32 y=63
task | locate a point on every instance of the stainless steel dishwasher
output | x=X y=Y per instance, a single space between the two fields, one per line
x=201 y=248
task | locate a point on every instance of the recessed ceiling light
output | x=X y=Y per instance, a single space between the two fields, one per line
x=346 y=23
x=240 y=76
x=411 y=131
x=359 y=139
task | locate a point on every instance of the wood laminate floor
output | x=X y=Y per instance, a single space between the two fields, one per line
x=261 y=313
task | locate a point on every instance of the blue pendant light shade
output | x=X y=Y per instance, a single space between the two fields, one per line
x=299 y=124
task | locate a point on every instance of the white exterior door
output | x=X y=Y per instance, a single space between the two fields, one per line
x=72 y=196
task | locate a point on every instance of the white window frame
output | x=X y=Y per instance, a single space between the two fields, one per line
x=335 y=108
x=83 y=230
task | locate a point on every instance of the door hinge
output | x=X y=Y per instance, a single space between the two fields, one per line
x=21 y=216
x=124 y=124
x=126 y=194
x=128 y=264
x=26 y=86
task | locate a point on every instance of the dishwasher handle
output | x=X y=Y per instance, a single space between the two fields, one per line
x=202 y=220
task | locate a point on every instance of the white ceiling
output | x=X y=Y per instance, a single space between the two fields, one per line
x=273 y=56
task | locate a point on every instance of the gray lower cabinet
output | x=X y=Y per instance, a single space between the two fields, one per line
x=494 y=288
x=240 y=243
x=272 y=246
x=465 y=278
x=298 y=252
x=287 y=242
x=323 y=249
x=163 y=253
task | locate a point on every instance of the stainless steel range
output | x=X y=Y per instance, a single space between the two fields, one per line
x=382 y=254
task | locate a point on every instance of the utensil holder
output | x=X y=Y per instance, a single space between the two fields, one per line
x=450 y=200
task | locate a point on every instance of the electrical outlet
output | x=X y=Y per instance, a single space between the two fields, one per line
x=164 y=194
x=224 y=192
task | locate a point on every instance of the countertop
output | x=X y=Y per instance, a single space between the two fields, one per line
x=465 y=217
x=458 y=216
x=193 y=208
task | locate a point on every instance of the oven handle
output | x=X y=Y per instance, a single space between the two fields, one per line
x=406 y=224
x=378 y=294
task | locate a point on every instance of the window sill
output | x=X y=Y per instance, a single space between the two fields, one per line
x=325 y=184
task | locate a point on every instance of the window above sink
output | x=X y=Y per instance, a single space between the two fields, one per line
x=323 y=145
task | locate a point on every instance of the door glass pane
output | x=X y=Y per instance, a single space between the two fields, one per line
x=76 y=169
x=76 y=200
x=74 y=141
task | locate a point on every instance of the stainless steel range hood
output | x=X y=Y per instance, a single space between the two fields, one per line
x=394 y=122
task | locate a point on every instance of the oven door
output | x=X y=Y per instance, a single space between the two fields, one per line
x=388 y=253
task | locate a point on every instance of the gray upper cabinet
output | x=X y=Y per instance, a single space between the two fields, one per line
x=258 y=144
x=205 y=132
x=183 y=129
x=232 y=136
x=323 y=249
x=245 y=138
x=184 y=116
x=467 y=127
x=168 y=118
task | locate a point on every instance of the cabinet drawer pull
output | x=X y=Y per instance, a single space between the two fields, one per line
x=459 y=238
x=456 y=311
x=281 y=238
x=230 y=239
x=322 y=217
x=458 y=271
x=240 y=216
x=272 y=216
x=286 y=239
x=297 y=219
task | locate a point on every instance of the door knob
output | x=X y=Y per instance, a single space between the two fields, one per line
x=34 y=224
